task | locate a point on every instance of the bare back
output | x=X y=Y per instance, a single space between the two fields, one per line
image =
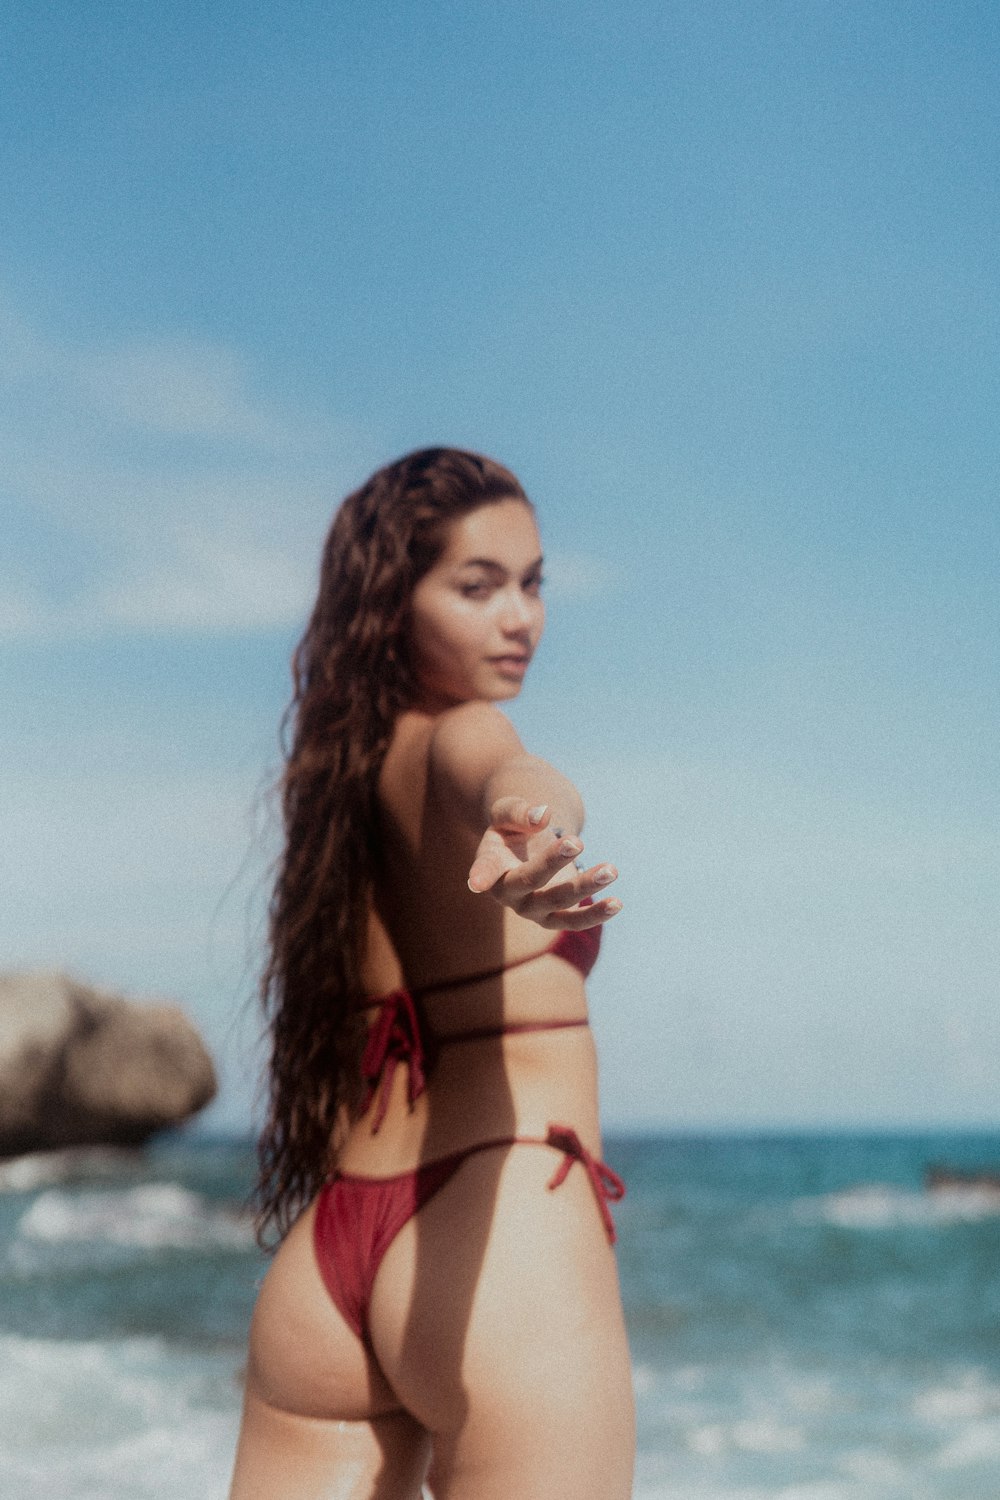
x=427 y=926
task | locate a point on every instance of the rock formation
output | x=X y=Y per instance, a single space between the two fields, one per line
x=81 y=1066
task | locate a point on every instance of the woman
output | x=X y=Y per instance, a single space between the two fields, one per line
x=444 y=1304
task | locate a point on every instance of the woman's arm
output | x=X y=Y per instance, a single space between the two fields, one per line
x=528 y=816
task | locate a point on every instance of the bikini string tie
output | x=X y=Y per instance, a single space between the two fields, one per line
x=607 y=1185
x=393 y=1039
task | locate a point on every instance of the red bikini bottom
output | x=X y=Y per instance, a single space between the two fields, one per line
x=357 y=1218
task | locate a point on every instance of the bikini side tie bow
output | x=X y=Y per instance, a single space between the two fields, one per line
x=607 y=1185
x=393 y=1039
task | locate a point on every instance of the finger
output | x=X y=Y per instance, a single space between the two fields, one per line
x=576 y=887
x=517 y=815
x=578 y=918
x=539 y=869
x=488 y=864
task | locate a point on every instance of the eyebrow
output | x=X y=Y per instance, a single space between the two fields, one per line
x=495 y=567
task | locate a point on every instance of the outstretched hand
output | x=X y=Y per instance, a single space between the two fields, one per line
x=522 y=863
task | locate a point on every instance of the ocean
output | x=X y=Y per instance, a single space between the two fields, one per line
x=808 y=1321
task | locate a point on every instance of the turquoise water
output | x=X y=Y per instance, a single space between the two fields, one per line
x=807 y=1321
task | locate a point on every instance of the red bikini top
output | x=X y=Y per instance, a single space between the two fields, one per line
x=401 y=1034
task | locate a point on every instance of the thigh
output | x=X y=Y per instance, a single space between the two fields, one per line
x=497 y=1318
x=281 y=1456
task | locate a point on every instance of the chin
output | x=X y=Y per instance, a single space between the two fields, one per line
x=505 y=691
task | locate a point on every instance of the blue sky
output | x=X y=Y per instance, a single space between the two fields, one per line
x=718 y=281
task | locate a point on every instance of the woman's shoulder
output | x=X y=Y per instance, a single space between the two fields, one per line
x=468 y=742
x=441 y=740
x=459 y=747
x=471 y=726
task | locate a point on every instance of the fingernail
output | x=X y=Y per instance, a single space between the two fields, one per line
x=570 y=848
x=605 y=875
x=613 y=906
x=536 y=814
x=472 y=888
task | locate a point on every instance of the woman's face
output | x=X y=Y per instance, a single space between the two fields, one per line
x=477 y=614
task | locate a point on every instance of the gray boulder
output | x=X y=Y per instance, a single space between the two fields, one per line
x=81 y=1066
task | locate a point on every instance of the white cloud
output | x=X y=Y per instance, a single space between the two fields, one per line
x=211 y=583
x=175 y=495
x=203 y=582
x=180 y=386
x=183 y=388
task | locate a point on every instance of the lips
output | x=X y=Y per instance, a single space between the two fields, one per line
x=513 y=666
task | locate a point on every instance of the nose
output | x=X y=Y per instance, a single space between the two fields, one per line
x=515 y=618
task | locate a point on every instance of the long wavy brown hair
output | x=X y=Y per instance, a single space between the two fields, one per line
x=352 y=677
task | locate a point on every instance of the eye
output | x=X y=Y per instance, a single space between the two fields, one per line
x=478 y=590
x=533 y=583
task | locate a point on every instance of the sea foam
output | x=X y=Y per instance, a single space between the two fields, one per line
x=155 y=1216
x=41 y=1169
x=884 y=1206
x=124 y=1419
